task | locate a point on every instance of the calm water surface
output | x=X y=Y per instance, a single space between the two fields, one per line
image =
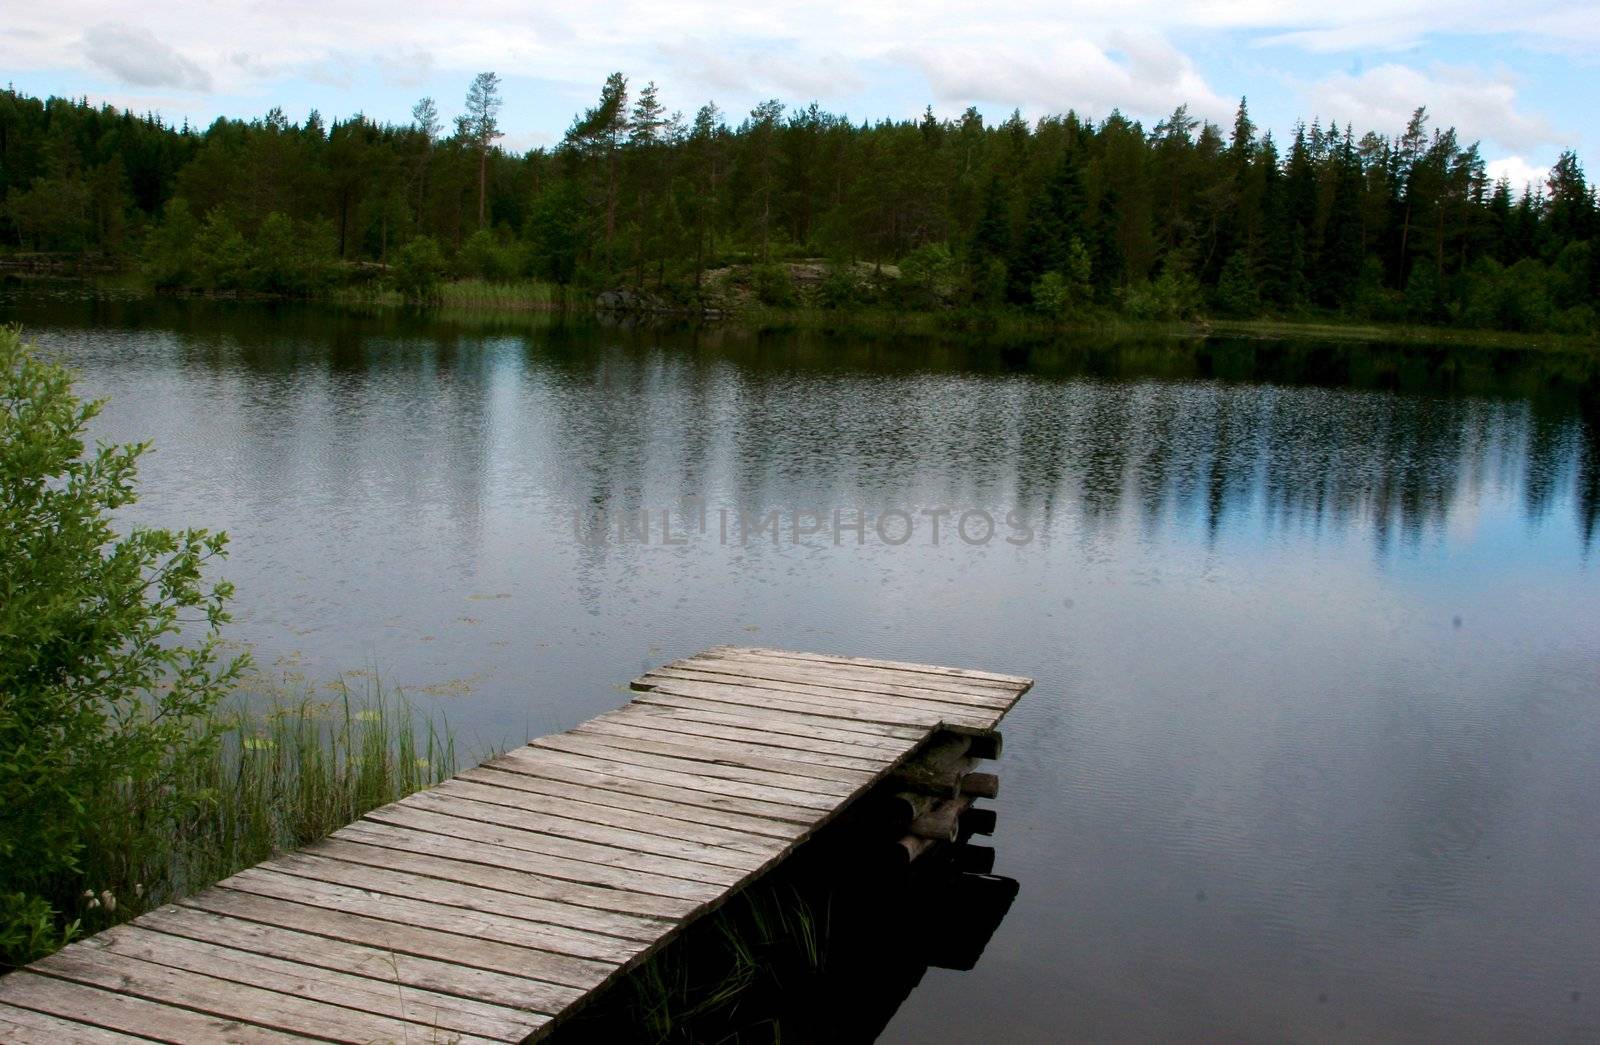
x=1315 y=745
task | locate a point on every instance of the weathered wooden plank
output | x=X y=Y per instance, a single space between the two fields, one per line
x=744 y=858
x=590 y=932
x=25 y=1027
x=782 y=726
x=777 y=796
x=883 y=720
x=830 y=791
x=224 y=998
x=783 y=676
x=702 y=748
x=476 y=841
x=828 y=691
x=806 y=750
x=446 y=945
x=540 y=889
x=943 y=687
x=549 y=939
x=115 y=1011
x=597 y=885
x=533 y=842
x=620 y=848
x=865 y=680
x=824 y=706
x=383 y=965
x=736 y=701
x=387 y=998
x=895 y=665
x=667 y=802
x=575 y=809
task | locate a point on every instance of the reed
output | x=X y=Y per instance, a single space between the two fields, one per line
x=286 y=766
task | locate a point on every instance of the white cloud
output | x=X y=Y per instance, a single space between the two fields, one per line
x=135 y=57
x=1140 y=73
x=1041 y=55
x=789 y=70
x=1518 y=171
x=1481 y=108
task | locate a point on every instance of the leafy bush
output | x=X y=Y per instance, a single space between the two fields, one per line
x=988 y=280
x=1237 y=293
x=418 y=267
x=1175 y=295
x=1514 y=298
x=773 y=286
x=103 y=698
x=169 y=259
x=221 y=256
x=1060 y=293
x=286 y=261
x=484 y=257
x=927 y=276
x=839 y=288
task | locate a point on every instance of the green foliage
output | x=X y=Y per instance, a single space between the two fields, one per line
x=987 y=281
x=109 y=657
x=484 y=257
x=417 y=270
x=773 y=287
x=287 y=261
x=1237 y=294
x=839 y=288
x=51 y=215
x=555 y=232
x=1174 y=295
x=1508 y=298
x=220 y=254
x=170 y=259
x=927 y=277
x=1394 y=223
x=291 y=766
x=1061 y=293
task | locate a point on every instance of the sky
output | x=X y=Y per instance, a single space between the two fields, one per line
x=1518 y=78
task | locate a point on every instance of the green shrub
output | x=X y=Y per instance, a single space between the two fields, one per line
x=418 y=267
x=1175 y=295
x=1237 y=293
x=169 y=258
x=109 y=659
x=483 y=257
x=773 y=287
x=1061 y=293
x=927 y=277
x=839 y=288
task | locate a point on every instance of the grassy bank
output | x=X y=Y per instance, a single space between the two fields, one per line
x=288 y=765
x=470 y=294
x=480 y=296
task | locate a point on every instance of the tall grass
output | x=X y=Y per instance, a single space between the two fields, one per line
x=284 y=768
x=470 y=294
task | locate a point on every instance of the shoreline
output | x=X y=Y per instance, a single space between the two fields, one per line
x=475 y=297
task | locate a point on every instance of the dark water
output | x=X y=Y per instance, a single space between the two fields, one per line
x=1315 y=745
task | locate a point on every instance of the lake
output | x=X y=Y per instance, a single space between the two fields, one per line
x=1315 y=742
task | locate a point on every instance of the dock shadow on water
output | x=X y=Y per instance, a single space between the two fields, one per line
x=826 y=947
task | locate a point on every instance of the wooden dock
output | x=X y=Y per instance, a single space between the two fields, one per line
x=490 y=906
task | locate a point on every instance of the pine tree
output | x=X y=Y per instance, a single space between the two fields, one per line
x=1054 y=222
x=481 y=127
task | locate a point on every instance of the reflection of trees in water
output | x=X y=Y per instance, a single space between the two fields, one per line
x=1212 y=434
x=1207 y=454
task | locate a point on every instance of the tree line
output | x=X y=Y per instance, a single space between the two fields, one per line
x=1063 y=216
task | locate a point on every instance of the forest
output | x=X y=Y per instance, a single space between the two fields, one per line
x=1062 y=218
